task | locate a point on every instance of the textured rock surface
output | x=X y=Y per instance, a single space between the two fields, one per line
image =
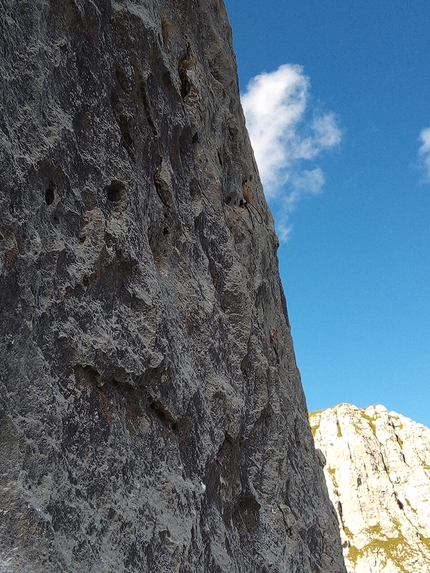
x=378 y=476
x=152 y=416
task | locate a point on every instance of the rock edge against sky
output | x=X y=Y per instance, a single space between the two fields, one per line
x=152 y=417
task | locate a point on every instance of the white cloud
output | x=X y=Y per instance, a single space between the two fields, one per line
x=302 y=183
x=424 y=150
x=285 y=139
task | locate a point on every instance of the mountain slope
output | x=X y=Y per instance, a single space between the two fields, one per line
x=377 y=468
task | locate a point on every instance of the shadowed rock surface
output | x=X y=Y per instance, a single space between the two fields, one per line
x=152 y=417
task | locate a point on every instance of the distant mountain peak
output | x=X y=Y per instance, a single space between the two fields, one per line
x=377 y=469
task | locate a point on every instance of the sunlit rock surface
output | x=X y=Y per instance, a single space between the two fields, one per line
x=152 y=417
x=377 y=467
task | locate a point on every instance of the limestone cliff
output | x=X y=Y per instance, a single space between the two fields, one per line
x=377 y=466
x=151 y=413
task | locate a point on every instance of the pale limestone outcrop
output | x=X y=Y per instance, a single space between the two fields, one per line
x=377 y=468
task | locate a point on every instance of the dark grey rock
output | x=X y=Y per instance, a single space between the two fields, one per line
x=152 y=417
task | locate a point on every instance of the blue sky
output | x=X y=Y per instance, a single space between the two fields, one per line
x=350 y=83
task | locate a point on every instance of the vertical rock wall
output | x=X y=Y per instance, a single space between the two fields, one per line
x=151 y=413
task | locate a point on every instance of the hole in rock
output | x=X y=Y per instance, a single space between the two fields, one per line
x=160 y=412
x=183 y=66
x=194 y=187
x=116 y=191
x=166 y=231
x=87 y=374
x=166 y=78
x=49 y=195
x=185 y=86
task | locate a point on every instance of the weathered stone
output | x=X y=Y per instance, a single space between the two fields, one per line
x=152 y=417
x=377 y=466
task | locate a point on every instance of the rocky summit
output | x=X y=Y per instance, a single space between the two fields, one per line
x=377 y=468
x=152 y=417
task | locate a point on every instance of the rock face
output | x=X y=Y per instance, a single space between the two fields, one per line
x=377 y=467
x=151 y=413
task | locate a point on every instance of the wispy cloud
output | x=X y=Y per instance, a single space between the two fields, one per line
x=287 y=135
x=424 y=151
